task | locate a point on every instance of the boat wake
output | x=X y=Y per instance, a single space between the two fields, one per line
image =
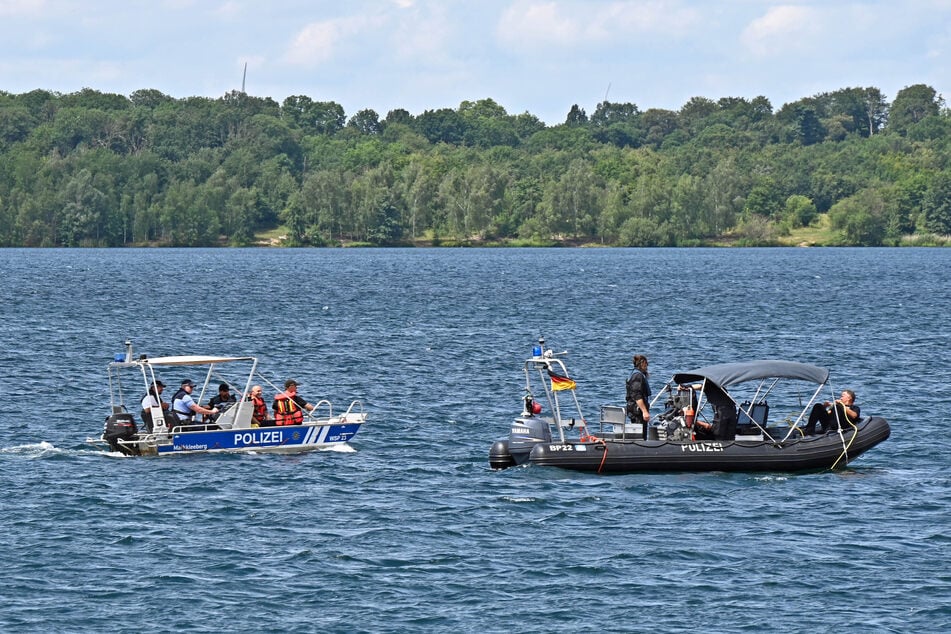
x=341 y=448
x=43 y=449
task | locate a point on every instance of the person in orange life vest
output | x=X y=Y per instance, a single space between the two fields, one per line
x=259 y=413
x=288 y=406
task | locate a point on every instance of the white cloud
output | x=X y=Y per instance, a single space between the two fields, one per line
x=228 y=10
x=421 y=37
x=539 y=24
x=782 y=29
x=656 y=18
x=319 y=42
x=21 y=7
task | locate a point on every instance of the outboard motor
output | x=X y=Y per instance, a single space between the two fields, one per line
x=527 y=432
x=118 y=427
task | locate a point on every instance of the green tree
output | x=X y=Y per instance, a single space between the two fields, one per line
x=185 y=220
x=16 y=124
x=574 y=201
x=799 y=211
x=239 y=215
x=470 y=198
x=689 y=209
x=526 y=125
x=936 y=205
x=398 y=116
x=724 y=186
x=323 y=117
x=82 y=214
x=385 y=228
x=149 y=98
x=764 y=199
x=320 y=207
x=658 y=125
x=861 y=218
x=694 y=114
x=912 y=105
x=441 y=126
x=576 y=116
x=89 y=99
x=608 y=113
x=808 y=129
x=420 y=188
x=366 y=121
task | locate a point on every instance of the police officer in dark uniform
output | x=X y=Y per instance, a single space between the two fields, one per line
x=639 y=394
x=222 y=400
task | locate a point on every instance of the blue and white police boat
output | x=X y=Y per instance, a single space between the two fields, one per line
x=232 y=430
x=734 y=399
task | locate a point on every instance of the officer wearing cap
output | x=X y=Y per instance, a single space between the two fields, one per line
x=152 y=399
x=223 y=400
x=184 y=408
x=288 y=406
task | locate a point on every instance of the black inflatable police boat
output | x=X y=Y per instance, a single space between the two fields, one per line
x=746 y=440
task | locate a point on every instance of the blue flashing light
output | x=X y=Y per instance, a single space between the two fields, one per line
x=536 y=351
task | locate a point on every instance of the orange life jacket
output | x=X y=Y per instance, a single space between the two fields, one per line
x=287 y=411
x=260 y=409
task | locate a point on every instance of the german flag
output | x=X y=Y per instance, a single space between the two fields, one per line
x=559 y=382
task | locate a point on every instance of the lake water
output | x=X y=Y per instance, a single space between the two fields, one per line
x=408 y=529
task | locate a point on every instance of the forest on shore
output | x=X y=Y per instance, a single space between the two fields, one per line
x=99 y=169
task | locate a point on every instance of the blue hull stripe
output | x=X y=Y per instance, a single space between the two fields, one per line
x=303 y=436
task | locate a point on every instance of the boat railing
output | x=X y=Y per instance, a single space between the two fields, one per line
x=613 y=419
x=354 y=405
x=322 y=403
x=193 y=427
x=355 y=408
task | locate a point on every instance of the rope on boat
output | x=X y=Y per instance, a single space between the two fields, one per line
x=585 y=437
x=845 y=447
x=604 y=457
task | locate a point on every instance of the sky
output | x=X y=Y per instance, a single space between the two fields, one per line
x=536 y=56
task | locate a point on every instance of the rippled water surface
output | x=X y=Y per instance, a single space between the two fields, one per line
x=407 y=529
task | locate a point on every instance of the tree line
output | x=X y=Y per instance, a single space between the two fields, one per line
x=99 y=169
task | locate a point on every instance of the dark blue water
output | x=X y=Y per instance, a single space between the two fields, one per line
x=410 y=530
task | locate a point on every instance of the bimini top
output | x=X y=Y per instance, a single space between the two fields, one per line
x=726 y=374
x=191 y=360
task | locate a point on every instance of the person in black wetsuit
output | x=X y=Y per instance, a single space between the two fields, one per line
x=639 y=393
x=832 y=415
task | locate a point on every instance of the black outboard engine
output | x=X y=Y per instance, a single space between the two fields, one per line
x=118 y=427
